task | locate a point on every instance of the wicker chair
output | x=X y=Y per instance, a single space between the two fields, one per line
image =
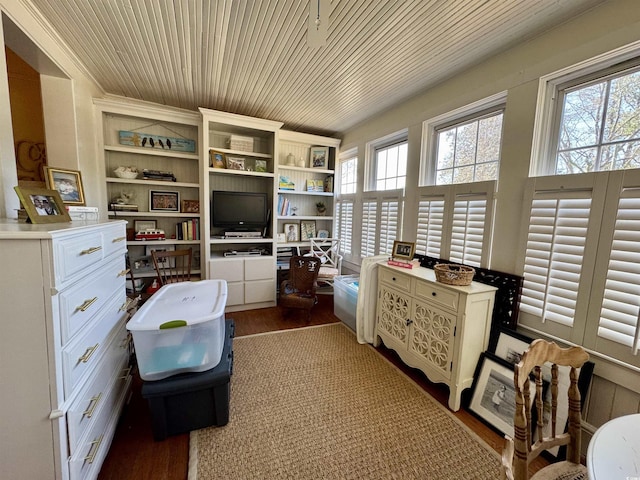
x=520 y=451
x=299 y=290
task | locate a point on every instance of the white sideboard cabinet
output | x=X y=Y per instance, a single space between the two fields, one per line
x=64 y=347
x=437 y=328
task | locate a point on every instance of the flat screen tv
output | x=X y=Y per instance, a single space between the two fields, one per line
x=239 y=210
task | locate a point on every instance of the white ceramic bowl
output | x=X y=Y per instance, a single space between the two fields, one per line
x=129 y=173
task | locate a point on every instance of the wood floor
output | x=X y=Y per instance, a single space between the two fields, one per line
x=135 y=455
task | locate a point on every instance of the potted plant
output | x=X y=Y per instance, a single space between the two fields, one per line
x=321 y=208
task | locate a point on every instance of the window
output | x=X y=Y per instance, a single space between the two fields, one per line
x=345 y=201
x=348 y=175
x=381 y=222
x=469 y=151
x=599 y=125
x=581 y=263
x=455 y=222
x=386 y=162
x=391 y=166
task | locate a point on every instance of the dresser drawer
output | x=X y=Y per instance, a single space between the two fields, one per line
x=437 y=295
x=114 y=239
x=259 y=269
x=92 y=448
x=110 y=373
x=83 y=353
x=74 y=254
x=398 y=280
x=79 y=303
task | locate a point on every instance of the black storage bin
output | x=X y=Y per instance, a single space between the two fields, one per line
x=190 y=401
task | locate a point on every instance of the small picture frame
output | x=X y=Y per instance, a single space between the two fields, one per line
x=307 y=230
x=43 y=205
x=281 y=237
x=511 y=345
x=292 y=232
x=323 y=233
x=217 y=159
x=403 y=250
x=261 y=165
x=140 y=225
x=319 y=157
x=235 y=163
x=493 y=395
x=163 y=201
x=190 y=206
x=68 y=184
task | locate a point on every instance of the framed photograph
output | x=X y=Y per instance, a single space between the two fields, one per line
x=323 y=233
x=320 y=157
x=281 y=237
x=493 y=396
x=43 y=205
x=403 y=250
x=292 y=231
x=139 y=225
x=261 y=165
x=68 y=184
x=235 y=163
x=307 y=230
x=162 y=201
x=511 y=345
x=191 y=206
x=217 y=159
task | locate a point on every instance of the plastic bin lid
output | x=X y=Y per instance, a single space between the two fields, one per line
x=180 y=304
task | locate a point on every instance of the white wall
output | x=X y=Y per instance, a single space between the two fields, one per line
x=67 y=103
x=517 y=71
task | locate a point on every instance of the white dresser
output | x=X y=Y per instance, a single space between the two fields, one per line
x=437 y=328
x=64 y=347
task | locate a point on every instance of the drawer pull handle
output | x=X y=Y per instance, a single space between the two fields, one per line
x=92 y=407
x=409 y=321
x=86 y=304
x=118 y=239
x=126 y=374
x=91 y=250
x=122 y=273
x=434 y=294
x=88 y=353
x=394 y=279
x=95 y=446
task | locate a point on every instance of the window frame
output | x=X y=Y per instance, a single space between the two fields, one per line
x=430 y=128
x=401 y=136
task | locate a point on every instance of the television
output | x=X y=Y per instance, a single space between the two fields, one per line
x=239 y=211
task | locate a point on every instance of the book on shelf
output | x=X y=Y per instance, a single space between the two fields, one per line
x=123 y=207
x=188 y=229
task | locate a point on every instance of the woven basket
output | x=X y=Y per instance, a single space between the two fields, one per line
x=454 y=274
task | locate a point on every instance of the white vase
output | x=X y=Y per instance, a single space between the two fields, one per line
x=291 y=160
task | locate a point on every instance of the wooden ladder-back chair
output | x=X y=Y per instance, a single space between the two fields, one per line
x=299 y=290
x=520 y=451
x=327 y=250
x=172 y=266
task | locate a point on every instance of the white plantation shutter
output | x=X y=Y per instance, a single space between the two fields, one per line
x=389 y=213
x=553 y=259
x=369 y=228
x=468 y=230
x=621 y=298
x=345 y=225
x=430 y=225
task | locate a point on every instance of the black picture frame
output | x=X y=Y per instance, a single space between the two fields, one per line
x=494 y=375
x=164 y=201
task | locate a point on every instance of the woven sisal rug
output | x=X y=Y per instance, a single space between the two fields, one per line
x=314 y=404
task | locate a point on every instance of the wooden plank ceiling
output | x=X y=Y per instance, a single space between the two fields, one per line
x=251 y=56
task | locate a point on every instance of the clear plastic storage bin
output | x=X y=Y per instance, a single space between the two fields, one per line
x=180 y=329
x=345 y=298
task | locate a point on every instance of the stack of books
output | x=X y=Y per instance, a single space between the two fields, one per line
x=284 y=209
x=123 y=207
x=188 y=229
x=158 y=175
x=283 y=256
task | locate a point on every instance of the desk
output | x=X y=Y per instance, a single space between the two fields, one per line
x=614 y=450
